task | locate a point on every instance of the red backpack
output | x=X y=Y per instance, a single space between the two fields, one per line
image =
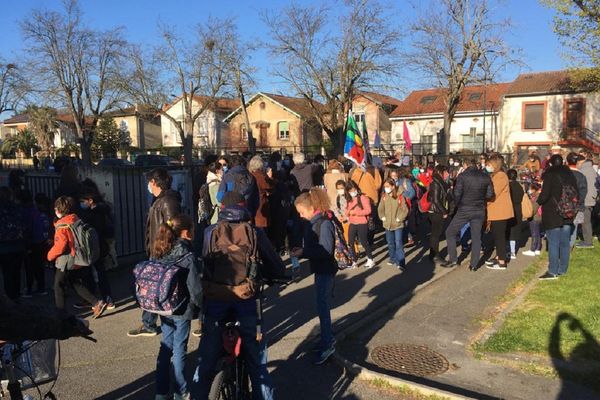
x=424 y=203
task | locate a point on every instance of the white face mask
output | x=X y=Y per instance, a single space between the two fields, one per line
x=340 y=191
x=489 y=169
x=58 y=215
x=335 y=171
x=353 y=194
x=150 y=189
x=388 y=190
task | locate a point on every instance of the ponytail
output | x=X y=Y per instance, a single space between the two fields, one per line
x=168 y=233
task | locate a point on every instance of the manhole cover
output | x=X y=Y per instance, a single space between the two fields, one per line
x=409 y=359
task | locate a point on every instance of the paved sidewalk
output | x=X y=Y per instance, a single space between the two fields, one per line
x=119 y=367
x=444 y=317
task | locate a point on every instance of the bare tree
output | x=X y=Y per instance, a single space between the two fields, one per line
x=457 y=43
x=43 y=125
x=74 y=66
x=327 y=61
x=12 y=86
x=194 y=65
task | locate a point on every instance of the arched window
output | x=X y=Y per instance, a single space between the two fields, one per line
x=244 y=131
x=284 y=130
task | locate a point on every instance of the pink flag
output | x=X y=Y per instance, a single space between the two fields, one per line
x=406 y=138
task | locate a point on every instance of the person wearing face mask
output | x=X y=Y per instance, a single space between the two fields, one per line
x=499 y=211
x=335 y=173
x=536 y=222
x=63 y=252
x=392 y=211
x=358 y=212
x=95 y=212
x=166 y=203
x=437 y=195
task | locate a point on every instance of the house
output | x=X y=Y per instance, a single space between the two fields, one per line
x=547 y=108
x=64 y=135
x=209 y=128
x=375 y=110
x=474 y=127
x=278 y=122
x=143 y=126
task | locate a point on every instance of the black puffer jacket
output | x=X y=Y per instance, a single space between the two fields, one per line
x=554 y=179
x=438 y=196
x=473 y=189
x=165 y=206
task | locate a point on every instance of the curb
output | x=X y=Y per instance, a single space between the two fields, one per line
x=364 y=373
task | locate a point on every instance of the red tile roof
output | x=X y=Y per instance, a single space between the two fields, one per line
x=17 y=119
x=544 y=83
x=380 y=98
x=297 y=105
x=413 y=104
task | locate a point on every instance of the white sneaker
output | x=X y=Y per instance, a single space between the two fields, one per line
x=513 y=256
x=354 y=265
x=529 y=253
x=537 y=252
x=370 y=263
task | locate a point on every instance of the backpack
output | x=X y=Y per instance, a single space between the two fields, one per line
x=87 y=243
x=341 y=252
x=242 y=183
x=230 y=261
x=41 y=227
x=568 y=203
x=424 y=203
x=11 y=223
x=526 y=207
x=161 y=288
x=205 y=205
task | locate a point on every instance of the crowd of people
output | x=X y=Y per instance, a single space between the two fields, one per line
x=294 y=205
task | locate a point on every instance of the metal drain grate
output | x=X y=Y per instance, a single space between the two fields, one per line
x=409 y=359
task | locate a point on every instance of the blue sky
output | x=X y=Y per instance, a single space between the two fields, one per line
x=532 y=32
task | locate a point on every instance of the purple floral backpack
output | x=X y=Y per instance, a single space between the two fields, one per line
x=161 y=288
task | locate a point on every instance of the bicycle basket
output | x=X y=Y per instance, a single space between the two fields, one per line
x=37 y=362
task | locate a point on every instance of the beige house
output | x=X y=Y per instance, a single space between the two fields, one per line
x=65 y=133
x=144 y=128
x=375 y=110
x=278 y=122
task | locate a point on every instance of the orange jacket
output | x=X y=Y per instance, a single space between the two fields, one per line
x=64 y=242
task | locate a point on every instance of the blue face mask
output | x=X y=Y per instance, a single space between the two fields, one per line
x=83 y=205
x=225 y=168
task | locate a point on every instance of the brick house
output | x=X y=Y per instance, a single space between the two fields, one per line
x=375 y=109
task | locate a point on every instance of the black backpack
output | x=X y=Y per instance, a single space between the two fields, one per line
x=242 y=184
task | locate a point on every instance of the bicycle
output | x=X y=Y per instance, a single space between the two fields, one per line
x=232 y=381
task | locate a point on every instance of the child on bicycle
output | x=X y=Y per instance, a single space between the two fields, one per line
x=318 y=247
x=173 y=243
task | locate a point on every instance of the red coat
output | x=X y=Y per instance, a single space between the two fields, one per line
x=64 y=242
x=265 y=188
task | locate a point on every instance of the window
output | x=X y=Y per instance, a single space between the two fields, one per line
x=426 y=144
x=284 y=130
x=534 y=116
x=359 y=118
x=244 y=132
x=473 y=131
x=475 y=96
x=428 y=99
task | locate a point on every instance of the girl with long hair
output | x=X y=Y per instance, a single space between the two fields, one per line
x=358 y=212
x=392 y=212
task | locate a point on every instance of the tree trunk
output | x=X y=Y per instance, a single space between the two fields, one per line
x=446 y=136
x=188 y=149
x=251 y=141
x=86 y=152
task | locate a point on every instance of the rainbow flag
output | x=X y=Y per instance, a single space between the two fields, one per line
x=354 y=147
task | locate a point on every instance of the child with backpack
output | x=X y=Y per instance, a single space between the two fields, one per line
x=535 y=224
x=173 y=245
x=392 y=211
x=319 y=247
x=65 y=253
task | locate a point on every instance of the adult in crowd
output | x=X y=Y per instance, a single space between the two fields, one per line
x=558 y=180
x=533 y=163
x=335 y=173
x=439 y=210
x=586 y=167
x=166 y=204
x=12 y=243
x=256 y=166
x=319 y=162
x=98 y=214
x=499 y=210
x=69 y=184
x=303 y=174
x=358 y=211
x=473 y=188
x=573 y=160
x=239 y=179
x=516 y=223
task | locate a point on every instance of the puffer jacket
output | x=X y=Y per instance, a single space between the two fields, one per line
x=182 y=250
x=358 y=213
x=437 y=195
x=392 y=211
x=473 y=188
x=165 y=206
x=228 y=185
x=587 y=169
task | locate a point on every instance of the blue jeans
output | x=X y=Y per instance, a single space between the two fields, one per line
x=559 y=249
x=324 y=288
x=395 y=246
x=149 y=320
x=211 y=349
x=536 y=236
x=173 y=350
x=465 y=236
